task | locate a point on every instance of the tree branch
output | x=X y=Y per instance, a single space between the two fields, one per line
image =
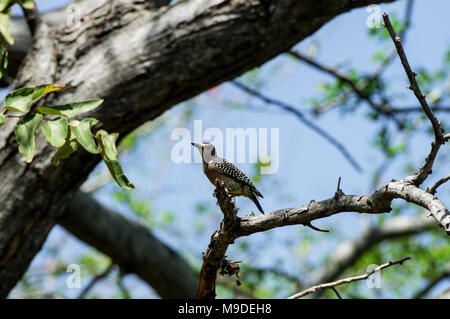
x=435 y=108
x=215 y=253
x=332 y=285
x=433 y=189
x=390 y=58
x=423 y=173
x=380 y=108
x=95 y=280
x=131 y=246
x=375 y=203
x=291 y=109
x=445 y=274
x=350 y=251
x=32 y=17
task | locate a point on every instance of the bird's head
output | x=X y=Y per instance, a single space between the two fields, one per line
x=207 y=150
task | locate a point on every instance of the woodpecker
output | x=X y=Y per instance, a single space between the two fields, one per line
x=234 y=180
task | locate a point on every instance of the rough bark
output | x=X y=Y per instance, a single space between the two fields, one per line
x=375 y=203
x=214 y=256
x=141 y=62
x=131 y=246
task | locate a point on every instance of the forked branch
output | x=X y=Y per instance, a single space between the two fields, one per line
x=380 y=201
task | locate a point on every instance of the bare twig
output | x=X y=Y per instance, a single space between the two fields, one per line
x=308 y=224
x=32 y=17
x=95 y=280
x=445 y=274
x=333 y=284
x=390 y=58
x=338 y=188
x=357 y=89
x=288 y=108
x=336 y=292
x=433 y=189
x=423 y=173
x=347 y=252
x=435 y=108
x=123 y=290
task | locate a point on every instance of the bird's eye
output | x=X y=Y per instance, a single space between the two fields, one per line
x=213 y=152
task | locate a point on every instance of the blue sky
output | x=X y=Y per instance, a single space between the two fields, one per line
x=309 y=165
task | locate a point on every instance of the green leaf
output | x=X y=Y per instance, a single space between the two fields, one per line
x=107 y=145
x=83 y=134
x=56 y=131
x=44 y=89
x=117 y=173
x=2 y=119
x=4 y=4
x=69 y=147
x=4 y=27
x=72 y=109
x=27 y=4
x=19 y=100
x=24 y=131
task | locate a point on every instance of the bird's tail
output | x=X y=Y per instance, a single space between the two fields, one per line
x=255 y=200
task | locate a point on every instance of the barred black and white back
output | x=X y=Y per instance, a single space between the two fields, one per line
x=227 y=168
x=235 y=181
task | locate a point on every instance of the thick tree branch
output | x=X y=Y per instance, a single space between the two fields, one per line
x=214 y=255
x=131 y=246
x=375 y=203
x=334 y=284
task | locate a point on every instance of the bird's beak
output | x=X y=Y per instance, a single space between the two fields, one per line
x=198 y=146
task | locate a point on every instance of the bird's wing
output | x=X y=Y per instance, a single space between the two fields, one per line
x=229 y=169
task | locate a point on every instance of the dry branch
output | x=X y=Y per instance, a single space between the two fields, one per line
x=333 y=285
x=434 y=188
x=439 y=138
x=214 y=255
